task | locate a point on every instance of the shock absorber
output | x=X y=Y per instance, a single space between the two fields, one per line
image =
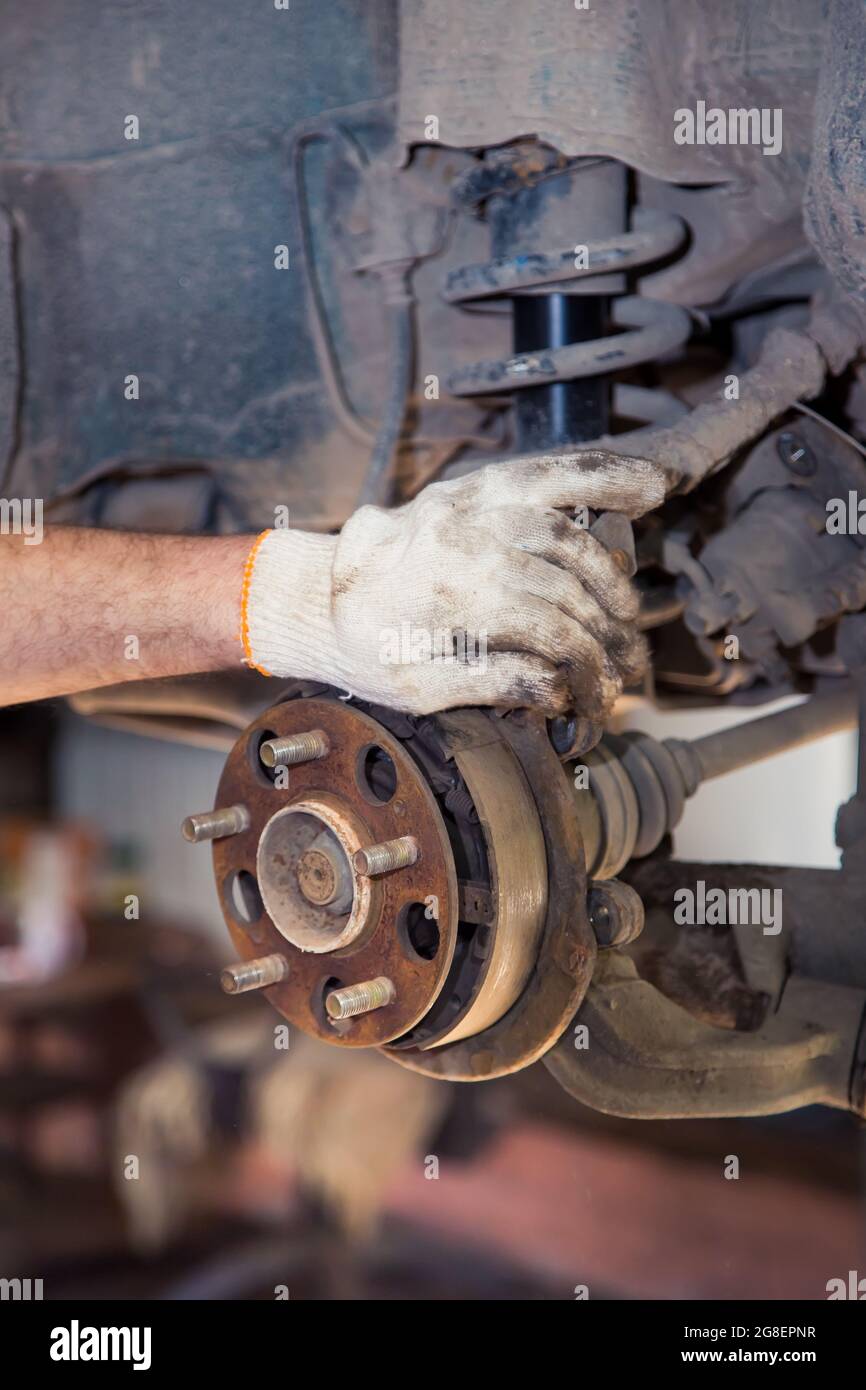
x=565 y=298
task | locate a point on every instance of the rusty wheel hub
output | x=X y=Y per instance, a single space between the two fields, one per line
x=289 y=882
x=385 y=881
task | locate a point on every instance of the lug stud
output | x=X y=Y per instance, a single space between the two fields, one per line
x=390 y=854
x=254 y=974
x=294 y=749
x=351 y=1000
x=215 y=825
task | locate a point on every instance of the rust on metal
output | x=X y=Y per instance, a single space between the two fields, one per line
x=567 y=948
x=317 y=877
x=337 y=781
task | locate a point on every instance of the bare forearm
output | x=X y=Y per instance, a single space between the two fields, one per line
x=91 y=607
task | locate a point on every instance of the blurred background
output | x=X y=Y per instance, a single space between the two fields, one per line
x=160 y=1140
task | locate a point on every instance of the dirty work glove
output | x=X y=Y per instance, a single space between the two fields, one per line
x=484 y=590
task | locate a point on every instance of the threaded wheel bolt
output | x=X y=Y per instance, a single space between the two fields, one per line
x=390 y=854
x=294 y=749
x=351 y=1000
x=215 y=825
x=254 y=974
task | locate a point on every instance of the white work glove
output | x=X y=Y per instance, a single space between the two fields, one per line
x=497 y=555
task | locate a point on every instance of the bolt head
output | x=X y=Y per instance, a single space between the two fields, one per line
x=571 y=736
x=317 y=877
x=615 y=913
x=796 y=455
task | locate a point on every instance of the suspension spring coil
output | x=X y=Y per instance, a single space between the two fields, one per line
x=652 y=326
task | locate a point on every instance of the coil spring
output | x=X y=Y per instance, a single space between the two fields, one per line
x=654 y=326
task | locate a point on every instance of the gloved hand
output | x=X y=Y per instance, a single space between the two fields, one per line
x=548 y=615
